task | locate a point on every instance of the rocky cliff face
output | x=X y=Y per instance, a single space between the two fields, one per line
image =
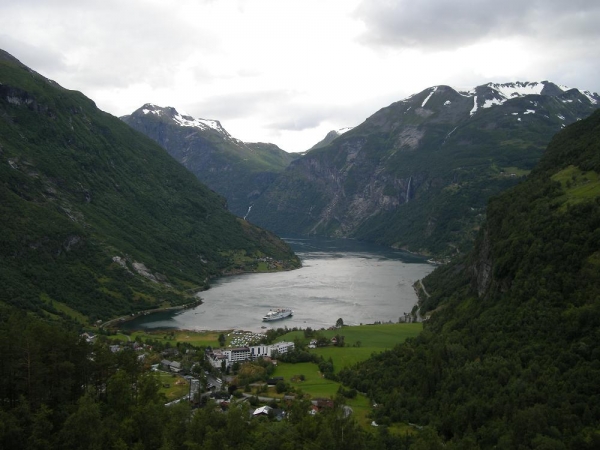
x=418 y=173
x=237 y=170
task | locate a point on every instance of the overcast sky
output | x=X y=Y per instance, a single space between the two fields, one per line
x=289 y=71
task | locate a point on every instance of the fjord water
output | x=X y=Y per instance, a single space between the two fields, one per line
x=359 y=282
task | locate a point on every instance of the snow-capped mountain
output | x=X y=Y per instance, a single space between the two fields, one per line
x=240 y=171
x=496 y=94
x=418 y=173
x=183 y=119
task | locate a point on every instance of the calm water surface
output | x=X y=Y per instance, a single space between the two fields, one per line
x=361 y=283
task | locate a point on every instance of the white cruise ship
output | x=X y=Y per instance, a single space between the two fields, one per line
x=276 y=314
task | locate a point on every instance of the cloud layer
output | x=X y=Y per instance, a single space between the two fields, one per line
x=448 y=24
x=288 y=72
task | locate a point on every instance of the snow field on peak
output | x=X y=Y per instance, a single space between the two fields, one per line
x=474 y=110
x=203 y=124
x=428 y=97
x=518 y=89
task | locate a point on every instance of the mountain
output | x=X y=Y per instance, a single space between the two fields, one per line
x=97 y=218
x=418 y=173
x=328 y=139
x=510 y=356
x=237 y=170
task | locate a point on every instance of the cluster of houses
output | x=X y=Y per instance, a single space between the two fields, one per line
x=229 y=356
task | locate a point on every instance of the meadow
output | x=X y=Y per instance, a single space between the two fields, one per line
x=370 y=339
x=360 y=341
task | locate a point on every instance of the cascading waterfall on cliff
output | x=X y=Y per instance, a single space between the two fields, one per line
x=408 y=190
x=249 y=209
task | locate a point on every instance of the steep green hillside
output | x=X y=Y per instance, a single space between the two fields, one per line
x=418 y=173
x=237 y=170
x=98 y=218
x=510 y=357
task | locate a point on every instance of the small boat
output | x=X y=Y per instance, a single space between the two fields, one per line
x=276 y=314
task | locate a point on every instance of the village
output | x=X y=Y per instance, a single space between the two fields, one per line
x=241 y=370
x=267 y=373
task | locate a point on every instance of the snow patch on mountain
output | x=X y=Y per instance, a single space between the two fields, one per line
x=474 y=110
x=203 y=124
x=183 y=119
x=150 y=108
x=518 y=89
x=491 y=102
x=590 y=97
x=428 y=97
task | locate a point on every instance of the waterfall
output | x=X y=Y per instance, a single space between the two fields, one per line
x=249 y=209
x=408 y=190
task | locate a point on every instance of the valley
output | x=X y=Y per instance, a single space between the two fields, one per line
x=493 y=346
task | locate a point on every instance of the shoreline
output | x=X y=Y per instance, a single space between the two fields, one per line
x=146 y=312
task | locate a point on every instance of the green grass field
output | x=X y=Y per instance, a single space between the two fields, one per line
x=196 y=338
x=318 y=387
x=372 y=339
x=578 y=185
x=178 y=386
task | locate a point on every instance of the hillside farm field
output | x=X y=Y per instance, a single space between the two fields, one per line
x=360 y=341
x=317 y=386
x=372 y=338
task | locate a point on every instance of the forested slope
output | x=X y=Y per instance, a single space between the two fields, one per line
x=510 y=357
x=96 y=217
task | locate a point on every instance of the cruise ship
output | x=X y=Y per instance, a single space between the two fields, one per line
x=276 y=314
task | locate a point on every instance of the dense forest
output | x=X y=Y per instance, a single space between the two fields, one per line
x=510 y=356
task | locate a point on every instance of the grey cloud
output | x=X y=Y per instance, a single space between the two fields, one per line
x=302 y=123
x=139 y=41
x=42 y=60
x=279 y=109
x=446 y=24
x=236 y=105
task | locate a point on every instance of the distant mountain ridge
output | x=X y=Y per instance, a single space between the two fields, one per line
x=237 y=170
x=99 y=220
x=418 y=173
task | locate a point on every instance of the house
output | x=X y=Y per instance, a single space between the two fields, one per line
x=273 y=381
x=175 y=367
x=89 y=337
x=216 y=358
x=166 y=364
x=282 y=347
